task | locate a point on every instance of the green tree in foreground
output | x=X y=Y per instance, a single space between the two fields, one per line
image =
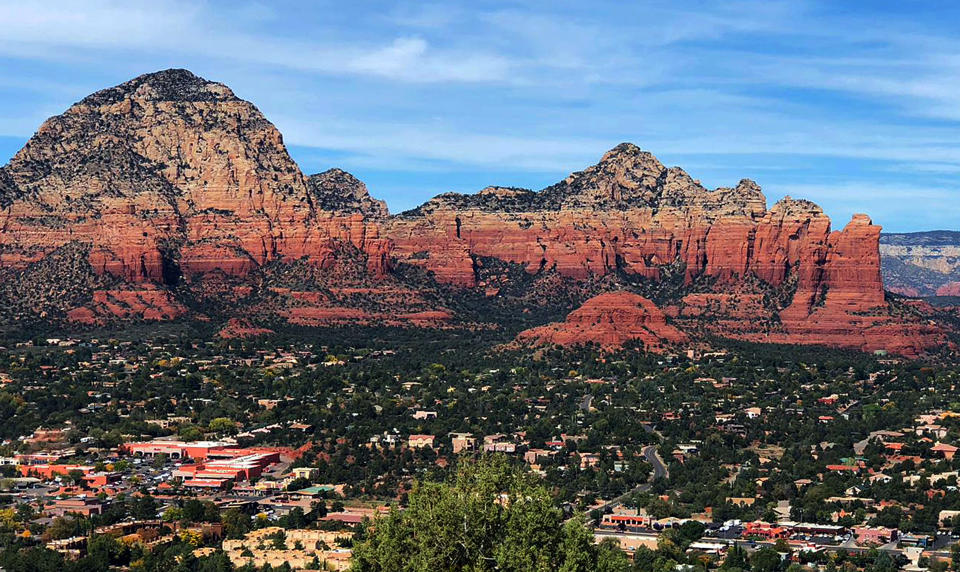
x=489 y=516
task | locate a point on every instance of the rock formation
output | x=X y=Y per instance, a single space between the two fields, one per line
x=921 y=263
x=949 y=289
x=629 y=214
x=610 y=320
x=170 y=182
x=339 y=192
x=238 y=328
x=164 y=176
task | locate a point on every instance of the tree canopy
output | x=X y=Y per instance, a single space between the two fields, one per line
x=488 y=516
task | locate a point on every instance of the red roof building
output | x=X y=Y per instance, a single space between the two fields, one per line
x=948 y=451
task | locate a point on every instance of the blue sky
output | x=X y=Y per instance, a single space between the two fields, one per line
x=855 y=105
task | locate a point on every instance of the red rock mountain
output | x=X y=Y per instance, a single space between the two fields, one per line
x=610 y=320
x=169 y=174
x=170 y=183
x=778 y=275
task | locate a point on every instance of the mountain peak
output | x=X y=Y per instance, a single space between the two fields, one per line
x=623 y=149
x=626 y=151
x=860 y=219
x=338 y=191
x=159 y=139
x=164 y=85
x=626 y=176
x=789 y=206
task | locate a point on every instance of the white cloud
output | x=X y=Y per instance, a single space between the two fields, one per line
x=44 y=30
x=747 y=85
x=405 y=145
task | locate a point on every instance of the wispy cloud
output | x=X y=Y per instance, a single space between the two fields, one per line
x=44 y=30
x=797 y=94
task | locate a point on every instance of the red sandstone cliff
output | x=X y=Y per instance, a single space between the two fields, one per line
x=629 y=213
x=170 y=179
x=168 y=174
x=796 y=280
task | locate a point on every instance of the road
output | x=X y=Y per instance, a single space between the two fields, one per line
x=860 y=446
x=650 y=429
x=586 y=403
x=660 y=471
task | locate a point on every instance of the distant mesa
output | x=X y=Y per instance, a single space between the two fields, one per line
x=921 y=263
x=949 y=289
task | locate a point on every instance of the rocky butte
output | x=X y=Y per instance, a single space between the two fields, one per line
x=142 y=199
x=610 y=320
